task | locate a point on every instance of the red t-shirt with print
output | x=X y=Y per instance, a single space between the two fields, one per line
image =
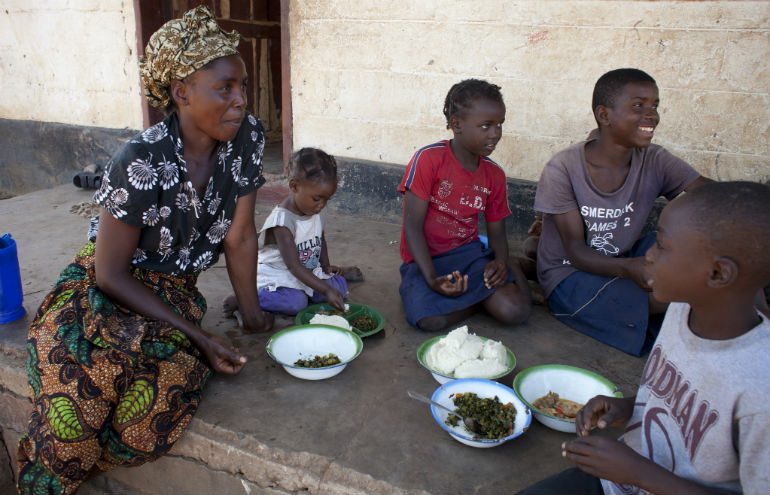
x=455 y=197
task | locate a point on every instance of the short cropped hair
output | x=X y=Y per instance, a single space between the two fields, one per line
x=734 y=217
x=611 y=84
x=462 y=94
x=313 y=165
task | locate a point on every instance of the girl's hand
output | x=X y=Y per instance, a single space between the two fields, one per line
x=334 y=298
x=605 y=458
x=451 y=285
x=601 y=412
x=221 y=356
x=537 y=226
x=495 y=274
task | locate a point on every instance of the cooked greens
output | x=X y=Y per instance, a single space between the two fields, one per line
x=318 y=361
x=494 y=418
x=364 y=323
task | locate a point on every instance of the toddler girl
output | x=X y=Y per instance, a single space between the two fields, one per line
x=293 y=258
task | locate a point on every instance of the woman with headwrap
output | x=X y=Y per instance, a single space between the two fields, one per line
x=117 y=356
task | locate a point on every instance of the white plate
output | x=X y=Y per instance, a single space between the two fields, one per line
x=306 y=341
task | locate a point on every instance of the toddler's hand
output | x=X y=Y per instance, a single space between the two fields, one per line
x=334 y=298
x=332 y=269
x=601 y=412
x=495 y=274
x=451 y=285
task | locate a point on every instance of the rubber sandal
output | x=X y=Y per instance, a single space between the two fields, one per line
x=87 y=180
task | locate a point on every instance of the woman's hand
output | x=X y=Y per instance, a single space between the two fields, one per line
x=221 y=356
x=452 y=285
x=257 y=321
x=601 y=412
x=495 y=273
x=605 y=458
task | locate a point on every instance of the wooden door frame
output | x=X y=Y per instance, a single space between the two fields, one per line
x=287 y=117
x=287 y=127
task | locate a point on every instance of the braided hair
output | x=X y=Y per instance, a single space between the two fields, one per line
x=313 y=165
x=462 y=95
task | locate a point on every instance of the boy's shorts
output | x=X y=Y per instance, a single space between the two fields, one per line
x=420 y=301
x=612 y=310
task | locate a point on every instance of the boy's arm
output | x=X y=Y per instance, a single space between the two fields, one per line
x=572 y=232
x=288 y=249
x=700 y=181
x=415 y=212
x=614 y=461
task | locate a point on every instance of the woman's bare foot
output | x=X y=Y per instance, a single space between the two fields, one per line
x=229 y=306
x=351 y=273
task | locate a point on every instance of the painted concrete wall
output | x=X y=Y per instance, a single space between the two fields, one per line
x=370 y=76
x=70 y=61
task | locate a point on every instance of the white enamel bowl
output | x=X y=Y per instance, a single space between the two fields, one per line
x=307 y=341
x=484 y=389
x=422 y=353
x=570 y=382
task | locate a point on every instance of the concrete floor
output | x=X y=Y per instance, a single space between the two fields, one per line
x=264 y=431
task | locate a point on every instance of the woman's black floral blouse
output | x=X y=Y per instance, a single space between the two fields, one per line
x=145 y=185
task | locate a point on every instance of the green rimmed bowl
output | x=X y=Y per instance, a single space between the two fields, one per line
x=354 y=311
x=306 y=341
x=570 y=382
x=422 y=352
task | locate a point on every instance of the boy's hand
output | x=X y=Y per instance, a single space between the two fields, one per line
x=221 y=356
x=601 y=412
x=451 y=285
x=635 y=270
x=604 y=458
x=334 y=298
x=495 y=273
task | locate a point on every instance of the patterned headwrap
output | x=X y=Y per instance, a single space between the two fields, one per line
x=179 y=48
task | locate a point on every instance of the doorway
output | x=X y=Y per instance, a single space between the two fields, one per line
x=263 y=25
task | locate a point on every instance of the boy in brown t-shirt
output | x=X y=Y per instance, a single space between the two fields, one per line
x=595 y=197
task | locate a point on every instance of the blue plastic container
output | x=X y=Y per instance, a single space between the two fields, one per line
x=11 y=295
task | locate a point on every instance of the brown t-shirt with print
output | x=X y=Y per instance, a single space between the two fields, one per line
x=613 y=221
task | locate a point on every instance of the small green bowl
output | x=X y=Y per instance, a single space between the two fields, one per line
x=354 y=311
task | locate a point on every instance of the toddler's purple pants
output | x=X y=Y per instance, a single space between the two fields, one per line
x=291 y=301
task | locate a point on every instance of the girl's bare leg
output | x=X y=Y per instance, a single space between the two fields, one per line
x=441 y=322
